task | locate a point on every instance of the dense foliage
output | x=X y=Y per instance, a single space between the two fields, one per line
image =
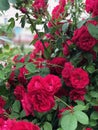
x=55 y=86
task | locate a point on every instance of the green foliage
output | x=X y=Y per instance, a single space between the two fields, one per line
x=4 y=5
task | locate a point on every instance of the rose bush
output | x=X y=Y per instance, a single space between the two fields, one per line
x=54 y=86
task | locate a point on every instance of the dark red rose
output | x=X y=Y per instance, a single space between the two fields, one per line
x=23 y=10
x=95 y=8
x=41 y=101
x=19 y=125
x=19 y=92
x=57 y=12
x=27 y=105
x=37 y=83
x=83 y=39
x=39 y=5
x=88 y=129
x=96 y=108
x=66 y=50
x=53 y=84
x=66 y=73
x=79 y=78
x=76 y=94
x=56 y=65
x=89 y=5
x=1 y=123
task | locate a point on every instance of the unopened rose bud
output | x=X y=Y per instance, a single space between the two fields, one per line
x=23 y=10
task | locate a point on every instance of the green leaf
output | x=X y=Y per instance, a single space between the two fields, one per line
x=69 y=122
x=94 y=115
x=47 y=126
x=65 y=27
x=79 y=108
x=44 y=71
x=59 y=129
x=19 y=65
x=4 y=5
x=90 y=68
x=94 y=94
x=93 y=123
x=93 y=30
x=22 y=114
x=81 y=117
x=81 y=23
x=14 y=115
x=31 y=67
x=23 y=20
x=12 y=1
x=16 y=106
x=12 y=24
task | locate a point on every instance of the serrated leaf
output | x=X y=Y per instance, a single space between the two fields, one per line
x=81 y=117
x=94 y=94
x=14 y=115
x=69 y=122
x=79 y=108
x=93 y=30
x=94 y=115
x=30 y=67
x=90 y=68
x=47 y=126
x=16 y=106
x=65 y=27
x=22 y=114
x=19 y=65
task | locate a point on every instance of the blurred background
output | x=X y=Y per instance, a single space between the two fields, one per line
x=18 y=35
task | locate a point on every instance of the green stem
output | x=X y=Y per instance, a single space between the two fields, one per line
x=59 y=99
x=37 y=32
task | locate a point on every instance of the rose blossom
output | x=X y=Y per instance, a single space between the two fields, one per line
x=79 y=78
x=89 y=129
x=83 y=39
x=36 y=83
x=68 y=68
x=19 y=92
x=89 y=5
x=27 y=105
x=57 y=11
x=56 y=65
x=19 y=125
x=76 y=94
x=41 y=101
x=39 y=4
x=53 y=84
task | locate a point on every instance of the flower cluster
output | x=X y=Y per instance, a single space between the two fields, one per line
x=55 y=85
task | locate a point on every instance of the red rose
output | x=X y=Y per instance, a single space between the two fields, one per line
x=83 y=39
x=95 y=8
x=89 y=129
x=19 y=125
x=89 y=5
x=53 y=84
x=27 y=105
x=57 y=12
x=79 y=78
x=76 y=94
x=1 y=123
x=41 y=101
x=19 y=92
x=62 y=2
x=68 y=68
x=56 y=65
x=39 y=5
x=65 y=50
x=37 y=83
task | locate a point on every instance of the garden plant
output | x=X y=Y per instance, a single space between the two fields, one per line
x=54 y=86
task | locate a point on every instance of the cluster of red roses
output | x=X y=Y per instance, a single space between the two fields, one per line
x=38 y=93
